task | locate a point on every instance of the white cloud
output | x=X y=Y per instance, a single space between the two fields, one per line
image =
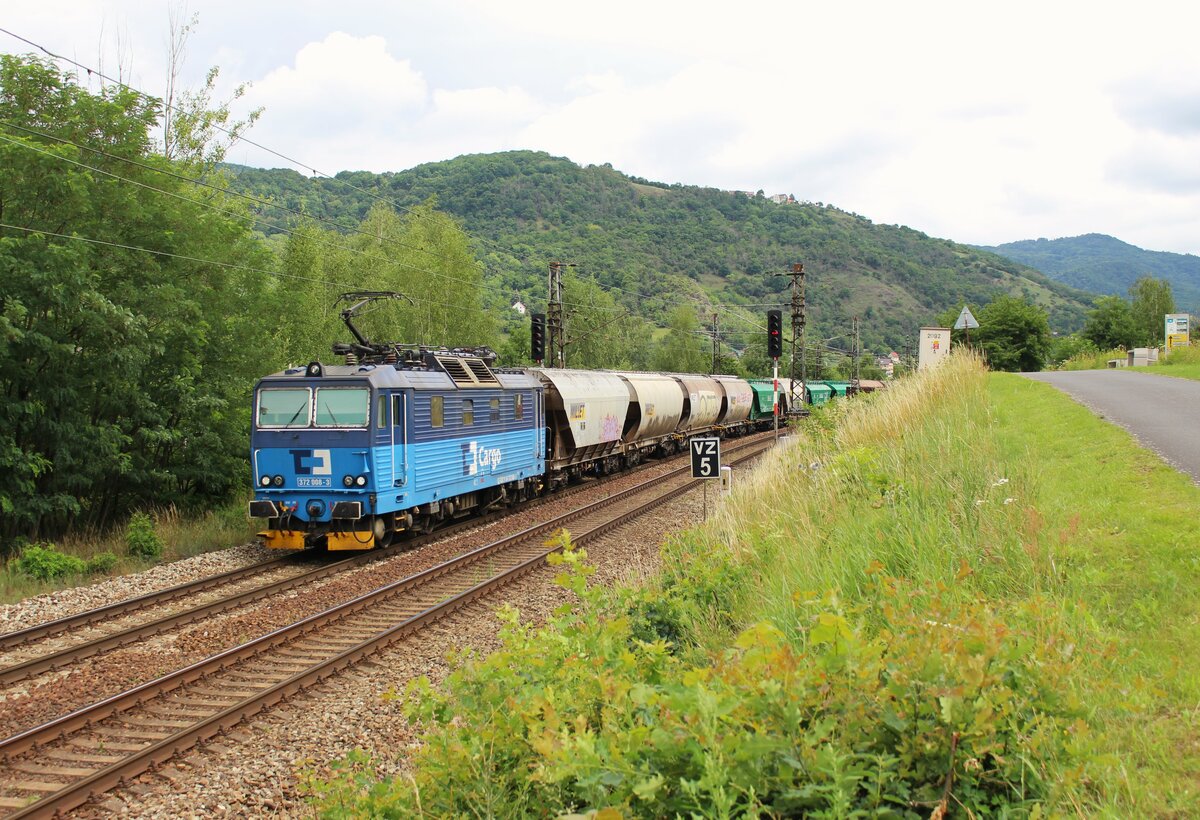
x=340 y=84
x=980 y=123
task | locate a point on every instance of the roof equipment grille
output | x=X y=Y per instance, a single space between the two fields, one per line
x=468 y=371
x=481 y=372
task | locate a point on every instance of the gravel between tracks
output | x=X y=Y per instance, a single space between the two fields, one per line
x=64 y=602
x=253 y=771
x=40 y=699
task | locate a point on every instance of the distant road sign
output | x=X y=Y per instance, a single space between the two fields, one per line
x=965 y=320
x=706 y=457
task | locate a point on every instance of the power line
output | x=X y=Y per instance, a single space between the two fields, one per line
x=222 y=190
x=229 y=265
x=726 y=308
x=251 y=217
x=95 y=72
x=225 y=211
x=234 y=214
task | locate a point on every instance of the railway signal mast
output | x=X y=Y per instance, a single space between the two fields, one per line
x=775 y=350
x=556 y=336
x=798 y=321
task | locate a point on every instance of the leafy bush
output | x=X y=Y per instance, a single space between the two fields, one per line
x=911 y=703
x=42 y=562
x=140 y=537
x=102 y=563
x=1183 y=355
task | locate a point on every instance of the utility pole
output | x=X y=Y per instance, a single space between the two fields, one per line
x=855 y=383
x=716 y=344
x=798 y=322
x=556 y=336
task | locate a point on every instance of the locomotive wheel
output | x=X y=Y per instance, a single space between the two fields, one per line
x=382 y=532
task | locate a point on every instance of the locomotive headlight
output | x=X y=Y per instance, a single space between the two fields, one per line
x=278 y=481
x=265 y=481
x=348 y=480
x=361 y=481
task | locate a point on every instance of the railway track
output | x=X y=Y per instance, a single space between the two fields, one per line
x=62 y=764
x=126 y=622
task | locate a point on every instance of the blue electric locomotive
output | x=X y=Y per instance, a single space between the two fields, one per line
x=346 y=456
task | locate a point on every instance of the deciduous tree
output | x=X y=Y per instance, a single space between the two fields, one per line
x=1013 y=334
x=1152 y=301
x=1110 y=324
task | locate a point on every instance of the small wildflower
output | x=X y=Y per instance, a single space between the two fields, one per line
x=816 y=465
x=979 y=502
x=1009 y=500
x=1000 y=482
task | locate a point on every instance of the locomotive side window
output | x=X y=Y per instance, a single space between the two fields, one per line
x=468 y=407
x=437 y=416
x=495 y=410
x=342 y=406
x=398 y=410
x=519 y=406
x=284 y=407
x=381 y=412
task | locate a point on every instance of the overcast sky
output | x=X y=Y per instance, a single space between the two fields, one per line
x=982 y=123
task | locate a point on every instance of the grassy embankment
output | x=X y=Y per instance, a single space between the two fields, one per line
x=182 y=536
x=1182 y=363
x=1092 y=361
x=965 y=594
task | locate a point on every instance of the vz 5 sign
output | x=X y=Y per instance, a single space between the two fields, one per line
x=706 y=457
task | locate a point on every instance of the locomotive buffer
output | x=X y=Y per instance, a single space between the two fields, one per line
x=706 y=462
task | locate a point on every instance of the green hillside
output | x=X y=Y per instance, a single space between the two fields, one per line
x=1104 y=264
x=662 y=245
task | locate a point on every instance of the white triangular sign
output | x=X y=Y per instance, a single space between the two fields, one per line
x=965 y=320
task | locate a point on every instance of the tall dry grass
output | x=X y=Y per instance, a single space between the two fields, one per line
x=910 y=481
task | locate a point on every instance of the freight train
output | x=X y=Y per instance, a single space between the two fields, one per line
x=402 y=438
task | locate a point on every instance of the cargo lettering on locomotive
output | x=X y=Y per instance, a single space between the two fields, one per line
x=475 y=457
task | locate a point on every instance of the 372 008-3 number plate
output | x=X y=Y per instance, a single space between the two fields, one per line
x=305 y=481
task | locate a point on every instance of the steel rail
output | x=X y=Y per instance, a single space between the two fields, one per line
x=75 y=794
x=109 y=706
x=29 y=634
x=118 y=609
x=71 y=654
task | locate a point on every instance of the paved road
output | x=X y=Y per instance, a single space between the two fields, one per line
x=1160 y=411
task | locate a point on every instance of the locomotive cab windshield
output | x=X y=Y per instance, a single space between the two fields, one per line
x=284 y=408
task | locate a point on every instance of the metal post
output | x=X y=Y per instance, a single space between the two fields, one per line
x=775 y=400
x=798 y=322
x=798 y=317
x=716 y=344
x=857 y=355
x=556 y=334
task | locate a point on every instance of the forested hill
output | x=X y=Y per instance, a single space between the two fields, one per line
x=664 y=245
x=1104 y=264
